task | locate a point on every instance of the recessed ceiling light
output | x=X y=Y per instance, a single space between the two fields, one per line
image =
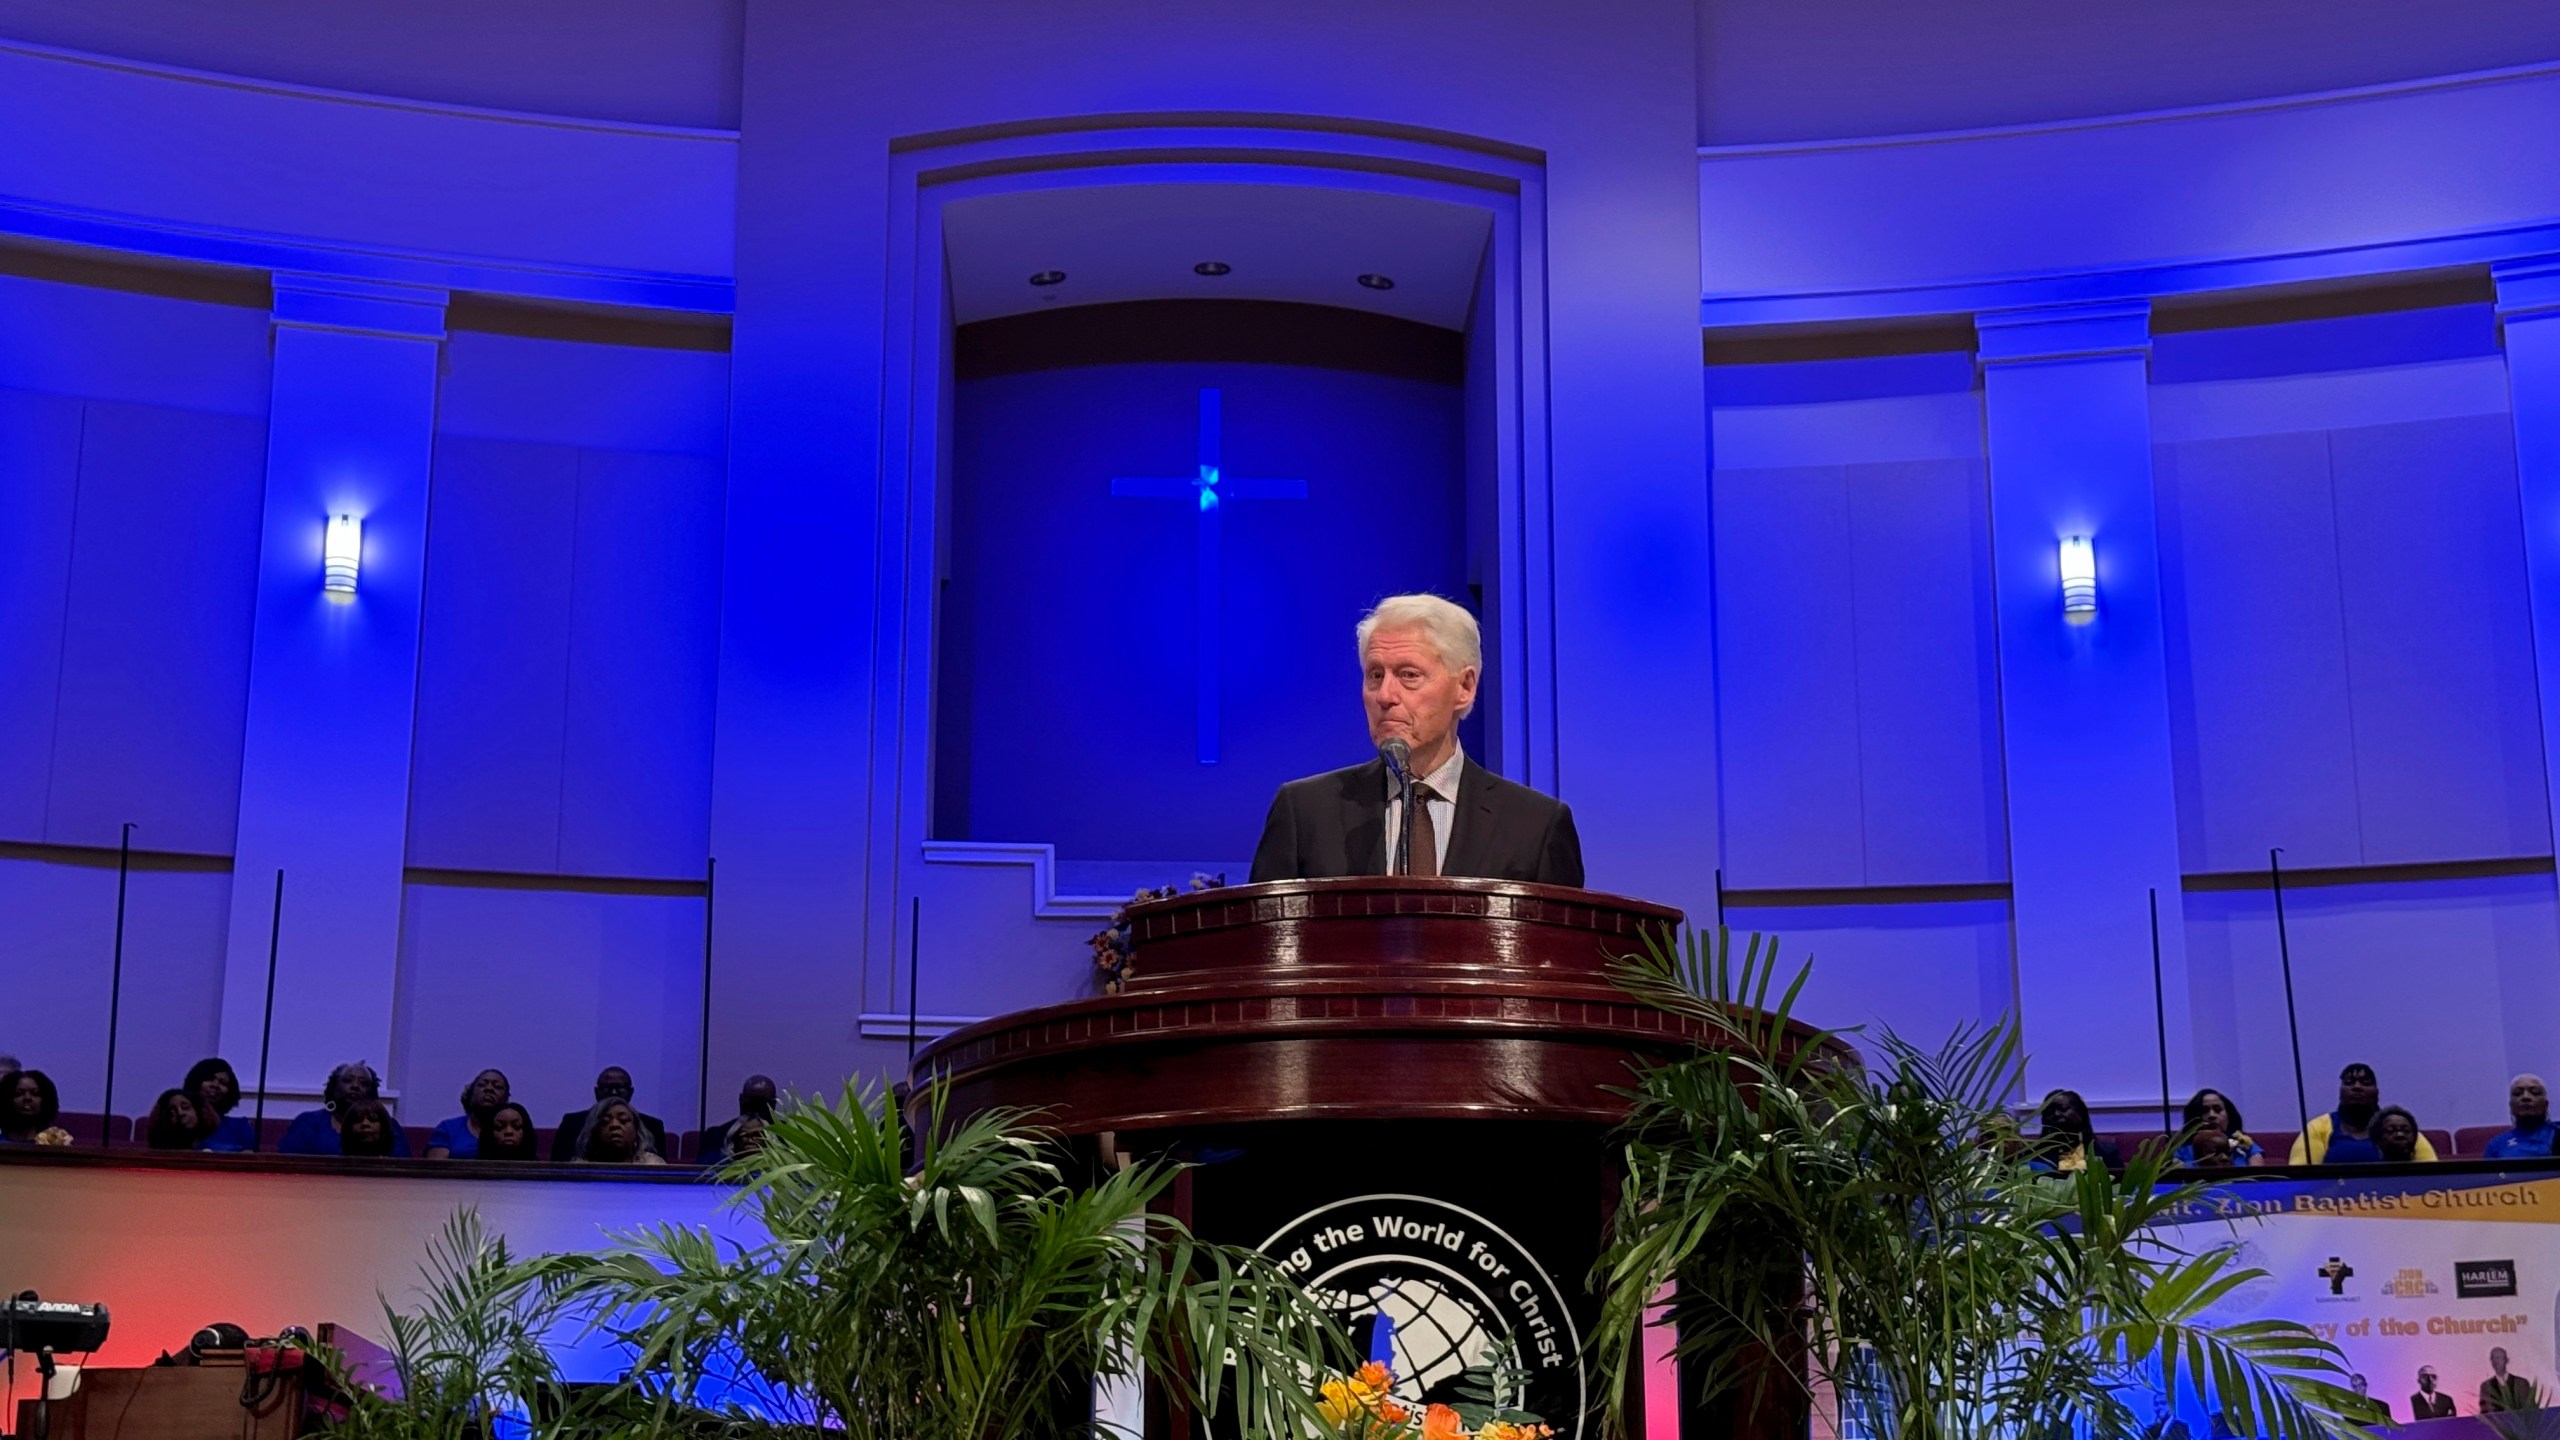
x=1377 y=282
x=1212 y=268
x=1047 y=278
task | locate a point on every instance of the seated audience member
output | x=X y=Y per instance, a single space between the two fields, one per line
x=2429 y=1403
x=28 y=1107
x=508 y=1135
x=755 y=1102
x=612 y=1083
x=459 y=1137
x=2502 y=1393
x=174 y=1124
x=2065 y=1140
x=747 y=1136
x=322 y=1131
x=366 y=1129
x=2397 y=1137
x=613 y=1135
x=2344 y=1136
x=2215 y=1140
x=2529 y=1107
x=215 y=1087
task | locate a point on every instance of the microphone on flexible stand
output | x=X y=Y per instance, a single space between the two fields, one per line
x=1399 y=757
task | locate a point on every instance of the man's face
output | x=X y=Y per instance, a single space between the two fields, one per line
x=756 y=1096
x=2427 y=1380
x=613 y=1084
x=2356 y=1086
x=1411 y=694
x=2528 y=1102
x=2498 y=1361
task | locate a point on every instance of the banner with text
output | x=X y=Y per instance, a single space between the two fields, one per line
x=2454 y=1273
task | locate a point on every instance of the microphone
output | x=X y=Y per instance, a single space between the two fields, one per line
x=1399 y=757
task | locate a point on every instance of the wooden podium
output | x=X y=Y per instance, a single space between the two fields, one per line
x=1398 y=1088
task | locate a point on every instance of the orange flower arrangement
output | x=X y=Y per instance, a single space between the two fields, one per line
x=1359 y=1407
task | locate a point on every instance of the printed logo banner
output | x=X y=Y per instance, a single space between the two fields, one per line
x=2459 y=1274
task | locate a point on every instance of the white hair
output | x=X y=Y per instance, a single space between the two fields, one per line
x=1447 y=626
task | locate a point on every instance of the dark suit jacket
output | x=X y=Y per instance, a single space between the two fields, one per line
x=1336 y=824
x=573 y=1127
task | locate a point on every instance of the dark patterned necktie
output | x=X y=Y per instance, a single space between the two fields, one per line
x=1426 y=840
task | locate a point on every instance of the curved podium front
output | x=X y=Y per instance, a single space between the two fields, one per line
x=1399 y=1088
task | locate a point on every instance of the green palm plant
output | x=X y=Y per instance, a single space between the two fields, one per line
x=972 y=1299
x=475 y=1346
x=1876 y=1230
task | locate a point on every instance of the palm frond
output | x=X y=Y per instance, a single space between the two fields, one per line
x=1882 y=1224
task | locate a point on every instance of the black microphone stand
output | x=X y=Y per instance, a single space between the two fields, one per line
x=1402 y=772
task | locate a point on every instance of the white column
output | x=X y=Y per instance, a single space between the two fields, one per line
x=2529 y=314
x=2084 y=702
x=324 y=783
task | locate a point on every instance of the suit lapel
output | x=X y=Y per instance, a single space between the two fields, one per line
x=1472 y=833
x=1364 y=820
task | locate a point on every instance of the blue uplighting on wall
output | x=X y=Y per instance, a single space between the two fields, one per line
x=1211 y=552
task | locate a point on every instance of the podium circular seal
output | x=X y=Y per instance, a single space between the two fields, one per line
x=1437 y=1291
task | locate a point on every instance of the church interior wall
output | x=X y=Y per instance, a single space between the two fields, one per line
x=2354 y=674
x=561 y=776
x=240 y=171
x=550 y=984
x=1771 y=70
x=132 y=450
x=1914 y=964
x=2435 y=983
x=654 y=619
x=655 y=62
x=2328 y=187
x=1859 y=706
x=1060 y=594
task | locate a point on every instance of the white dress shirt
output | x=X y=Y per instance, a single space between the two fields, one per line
x=1443 y=808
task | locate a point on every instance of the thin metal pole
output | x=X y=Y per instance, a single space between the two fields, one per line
x=702 y=1057
x=115 y=989
x=267 y=1027
x=915 y=930
x=2160 y=1013
x=2284 y=950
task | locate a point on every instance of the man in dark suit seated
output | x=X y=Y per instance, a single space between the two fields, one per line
x=1420 y=659
x=612 y=1083
x=755 y=1102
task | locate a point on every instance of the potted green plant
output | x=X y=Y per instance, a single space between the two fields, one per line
x=974 y=1296
x=1877 y=1234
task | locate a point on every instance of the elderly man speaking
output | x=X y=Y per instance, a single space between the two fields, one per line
x=1420 y=658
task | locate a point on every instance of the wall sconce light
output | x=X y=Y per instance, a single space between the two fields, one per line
x=2079 y=578
x=341 y=556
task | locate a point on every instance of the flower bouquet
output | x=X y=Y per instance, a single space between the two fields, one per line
x=1362 y=1406
x=1111 y=946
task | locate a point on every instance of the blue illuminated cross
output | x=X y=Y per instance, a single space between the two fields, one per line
x=1213 y=488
